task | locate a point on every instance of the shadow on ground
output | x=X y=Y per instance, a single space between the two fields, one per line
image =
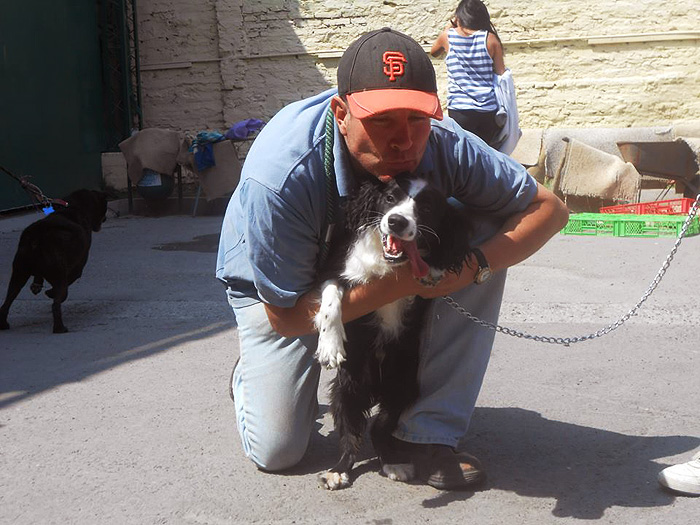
x=201 y=243
x=36 y=366
x=585 y=470
x=148 y=288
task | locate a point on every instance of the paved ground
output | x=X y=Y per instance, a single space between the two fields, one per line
x=126 y=419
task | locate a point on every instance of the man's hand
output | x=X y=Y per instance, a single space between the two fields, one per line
x=449 y=283
x=522 y=235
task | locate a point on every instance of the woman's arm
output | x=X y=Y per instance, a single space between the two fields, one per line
x=495 y=49
x=441 y=45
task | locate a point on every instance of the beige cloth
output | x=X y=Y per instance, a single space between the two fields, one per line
x=219 y=180
x=686 y=128
x=161 y=150
x=527 y=152
x=589 y=172
x=603 y=139
x=154 y=149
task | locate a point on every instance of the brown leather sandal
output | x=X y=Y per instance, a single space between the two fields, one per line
x=444 y=468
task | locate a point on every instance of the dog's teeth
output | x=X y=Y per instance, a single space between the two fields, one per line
x=392 y=247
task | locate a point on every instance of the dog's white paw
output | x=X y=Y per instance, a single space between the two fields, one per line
x=399 y=472
x=333 y=480
x=330 y=351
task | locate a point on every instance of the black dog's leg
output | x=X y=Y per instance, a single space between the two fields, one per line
x=37 y=284
x=51 y=293
x=350 y=402
x=77 y=273
x=17 y=281
x=59 y=294
x=394 y=459
x=399 y=390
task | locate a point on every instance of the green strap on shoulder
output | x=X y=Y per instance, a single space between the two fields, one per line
x=332 y=197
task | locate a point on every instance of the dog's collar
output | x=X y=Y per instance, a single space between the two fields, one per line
x=47 y=206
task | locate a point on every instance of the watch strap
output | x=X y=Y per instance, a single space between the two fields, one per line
x=483 y=272
x=480 y=258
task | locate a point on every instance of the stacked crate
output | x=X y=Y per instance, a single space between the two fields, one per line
x=643 y=219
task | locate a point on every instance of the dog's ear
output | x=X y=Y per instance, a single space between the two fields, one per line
x=361 y=208
x=88 y=207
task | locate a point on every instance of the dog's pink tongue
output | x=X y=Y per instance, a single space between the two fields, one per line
x=418 y=266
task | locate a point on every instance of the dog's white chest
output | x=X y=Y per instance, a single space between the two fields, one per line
x=390 y=317
x=365 y=260
x=364 y=263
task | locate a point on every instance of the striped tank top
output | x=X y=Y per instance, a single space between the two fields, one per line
x=469 y=72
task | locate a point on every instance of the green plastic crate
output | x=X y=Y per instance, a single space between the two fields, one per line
x=624 y=225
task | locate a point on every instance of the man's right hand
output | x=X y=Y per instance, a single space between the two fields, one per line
x=449 y=283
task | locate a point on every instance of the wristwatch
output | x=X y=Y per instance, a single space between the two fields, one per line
x=483 y=272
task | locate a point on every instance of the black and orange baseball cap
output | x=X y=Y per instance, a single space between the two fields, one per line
x=384 y=70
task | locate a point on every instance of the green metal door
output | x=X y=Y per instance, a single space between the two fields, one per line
x=51 y=110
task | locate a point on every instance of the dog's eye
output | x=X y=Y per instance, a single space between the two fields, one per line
x=390 y=198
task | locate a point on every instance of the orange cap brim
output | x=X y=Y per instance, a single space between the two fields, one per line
x=368 y=103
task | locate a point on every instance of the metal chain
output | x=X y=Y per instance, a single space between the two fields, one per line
x=567 y=341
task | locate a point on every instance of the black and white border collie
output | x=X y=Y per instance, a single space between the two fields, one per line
x=404 y=221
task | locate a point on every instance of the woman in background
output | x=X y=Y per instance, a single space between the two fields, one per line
x=474 y=54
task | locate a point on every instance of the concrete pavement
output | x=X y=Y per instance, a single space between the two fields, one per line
x=126 y=419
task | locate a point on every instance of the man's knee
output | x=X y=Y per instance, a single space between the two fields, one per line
x=278 y=454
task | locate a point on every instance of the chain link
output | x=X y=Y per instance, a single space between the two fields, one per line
x=568 y=341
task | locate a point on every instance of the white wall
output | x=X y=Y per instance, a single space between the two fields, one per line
x=208 y=64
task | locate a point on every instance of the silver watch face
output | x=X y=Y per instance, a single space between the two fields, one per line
x=483 y=275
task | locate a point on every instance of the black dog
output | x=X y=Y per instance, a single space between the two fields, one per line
x=404 y=221
x=56 y=249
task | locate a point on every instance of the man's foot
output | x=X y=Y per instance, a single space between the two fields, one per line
x=443 y=467
x=683 y=478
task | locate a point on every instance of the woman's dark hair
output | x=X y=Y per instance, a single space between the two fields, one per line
x=472 y=14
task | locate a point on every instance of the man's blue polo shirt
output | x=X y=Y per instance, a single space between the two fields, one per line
x=271 y=233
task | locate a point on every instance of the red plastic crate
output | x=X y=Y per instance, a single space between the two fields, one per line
x=669 y=207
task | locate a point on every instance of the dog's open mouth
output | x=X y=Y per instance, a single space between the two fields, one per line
x=397 y=251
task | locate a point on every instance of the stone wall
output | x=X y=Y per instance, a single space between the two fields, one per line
x=181 y=83
x=597 y=63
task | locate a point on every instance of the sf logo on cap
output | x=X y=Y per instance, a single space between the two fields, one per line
x=394 y=67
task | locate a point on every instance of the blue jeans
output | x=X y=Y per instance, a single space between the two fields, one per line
x=276 y=381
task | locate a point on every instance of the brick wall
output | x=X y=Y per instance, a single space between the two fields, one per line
x=208 y=64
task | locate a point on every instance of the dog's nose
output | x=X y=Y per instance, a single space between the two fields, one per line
x=397 y=223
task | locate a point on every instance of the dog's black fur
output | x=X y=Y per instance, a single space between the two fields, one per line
x=381 y=362
x=56 y=249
